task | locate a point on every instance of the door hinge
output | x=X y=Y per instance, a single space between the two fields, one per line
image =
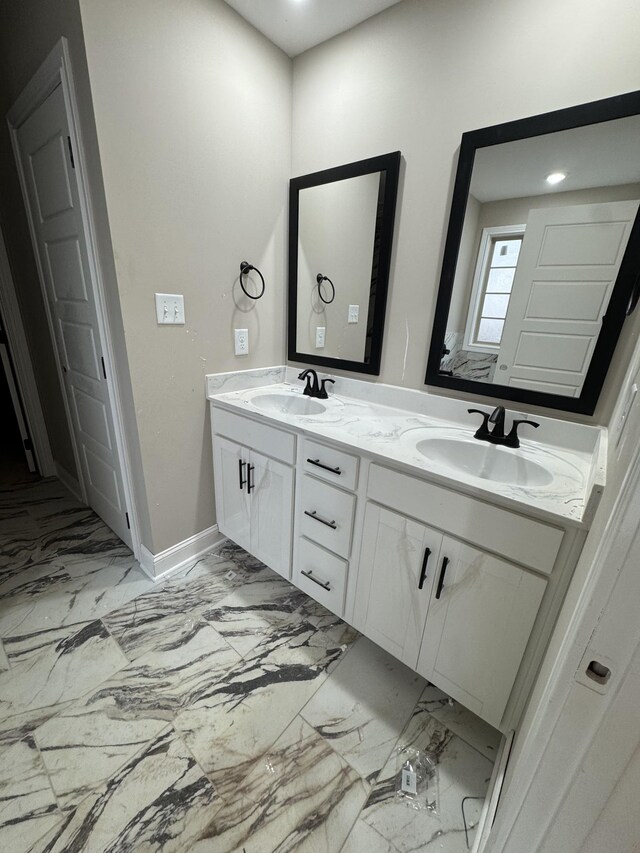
x=28 y=444
x=126 y=515
x=73 y=163
x=104 y=369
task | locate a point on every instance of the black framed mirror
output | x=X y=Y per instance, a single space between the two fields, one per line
x=340 y=240
x=542 y=256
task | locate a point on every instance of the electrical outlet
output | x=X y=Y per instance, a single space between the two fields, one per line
x=354 y=310
x=320 y=330
x=242 y=341
x=170 y=309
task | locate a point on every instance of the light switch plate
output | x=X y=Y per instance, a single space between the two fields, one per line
x=320 y=330
x=242 y=341
x=170 y=309
x=354 y=311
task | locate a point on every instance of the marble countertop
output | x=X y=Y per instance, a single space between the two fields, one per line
x=573 y=477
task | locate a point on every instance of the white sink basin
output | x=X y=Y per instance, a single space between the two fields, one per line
x=484 y=460
x=288 y=404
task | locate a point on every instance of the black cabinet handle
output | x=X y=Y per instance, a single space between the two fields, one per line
x=443 y=571
x=314 y=515
x=423 y=571
x=309 y=575
x=325 y=467
x=250 y=484
x=241 y=480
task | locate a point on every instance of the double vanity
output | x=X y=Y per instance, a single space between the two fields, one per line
x=451 y=553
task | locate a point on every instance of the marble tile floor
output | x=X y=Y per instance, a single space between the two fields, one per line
x=222 y=710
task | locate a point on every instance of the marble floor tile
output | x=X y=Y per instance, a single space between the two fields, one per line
x=302 y=797
x=4 y=660
x=463 y=772
x=364 y=705
x=70 y=593
x=65 y=669
x=247 y=710
x=28 y=807
x=462 y=722
x=364 y=839
x=249 y=614
x=19 y=726
x=159 y=801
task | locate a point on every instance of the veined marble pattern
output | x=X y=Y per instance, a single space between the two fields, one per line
x=220 y=710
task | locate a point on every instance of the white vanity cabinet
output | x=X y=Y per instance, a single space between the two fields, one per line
x=254 y=492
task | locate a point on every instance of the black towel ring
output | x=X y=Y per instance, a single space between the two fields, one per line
x=320 y=278
x=246 y=267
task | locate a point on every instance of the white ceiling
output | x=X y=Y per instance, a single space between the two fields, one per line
x=599 y=155
x=297 y=25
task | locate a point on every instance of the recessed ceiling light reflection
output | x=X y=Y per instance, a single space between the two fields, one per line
x=556 y=177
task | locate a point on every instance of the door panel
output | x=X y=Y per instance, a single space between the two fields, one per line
x=477 y=631
x=54 y=201
x=567 y=268
x=271 y=506
x=232 y=500
x=390 y=607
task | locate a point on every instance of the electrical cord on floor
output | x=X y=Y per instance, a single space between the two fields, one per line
x=464 y=819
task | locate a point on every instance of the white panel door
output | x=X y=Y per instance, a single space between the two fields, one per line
x=477 y=627
x=230 y=470
x=567 y=268
x=53 y=200
x=395 y=577
x=270 y=485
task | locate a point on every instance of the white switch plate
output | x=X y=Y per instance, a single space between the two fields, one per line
x=354 y=310
x=242 y=341
x=320 y=330
x=170 y=309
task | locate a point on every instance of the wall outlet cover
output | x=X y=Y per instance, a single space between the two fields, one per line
x=354 y=311
x=320 y=332
x=242 y=341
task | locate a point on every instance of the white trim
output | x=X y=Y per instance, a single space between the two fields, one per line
x=69 y=481
x=478 y=286
x=23 y=367
x=159 y=566
x=56 y=69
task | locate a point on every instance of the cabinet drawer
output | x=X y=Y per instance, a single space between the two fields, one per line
x=321 y=575
x=523 y=540
x=326 y=515
x=264 y=438
x=330 y=464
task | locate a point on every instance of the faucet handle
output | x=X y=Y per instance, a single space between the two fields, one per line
x=483 y=429
x=323 y=391
x=513 y=440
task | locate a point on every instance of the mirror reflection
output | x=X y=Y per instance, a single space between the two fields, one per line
x=546 y=227
x=340 y=236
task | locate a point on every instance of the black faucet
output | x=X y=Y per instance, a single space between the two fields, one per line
x=314 y=387
x=496 y=435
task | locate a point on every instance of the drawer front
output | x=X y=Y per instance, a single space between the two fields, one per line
x=334 y=466
x=264 y=438
x=321 y=575
x=326 y=515
x=523 y=540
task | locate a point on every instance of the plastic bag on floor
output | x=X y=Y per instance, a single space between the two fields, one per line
x=417 y=779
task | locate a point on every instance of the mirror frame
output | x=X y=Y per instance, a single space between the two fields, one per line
x=625 y=292
x=389 y=163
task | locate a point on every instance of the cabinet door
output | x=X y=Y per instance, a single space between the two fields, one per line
x=230 y=466
x=398 y=556
x=477 y=629
x=271 y=501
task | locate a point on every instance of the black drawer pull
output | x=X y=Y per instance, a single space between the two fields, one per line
x=443 y=571
x=309 y=575
x=423 y=571
x=250 y=484
x=325 y=467
x=241 y=479
x=314 y=515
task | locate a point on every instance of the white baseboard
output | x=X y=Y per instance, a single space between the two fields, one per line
x=158 y=566
x=69 y=481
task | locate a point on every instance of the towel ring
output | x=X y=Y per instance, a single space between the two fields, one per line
x=246 y=267
x=320 y=278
